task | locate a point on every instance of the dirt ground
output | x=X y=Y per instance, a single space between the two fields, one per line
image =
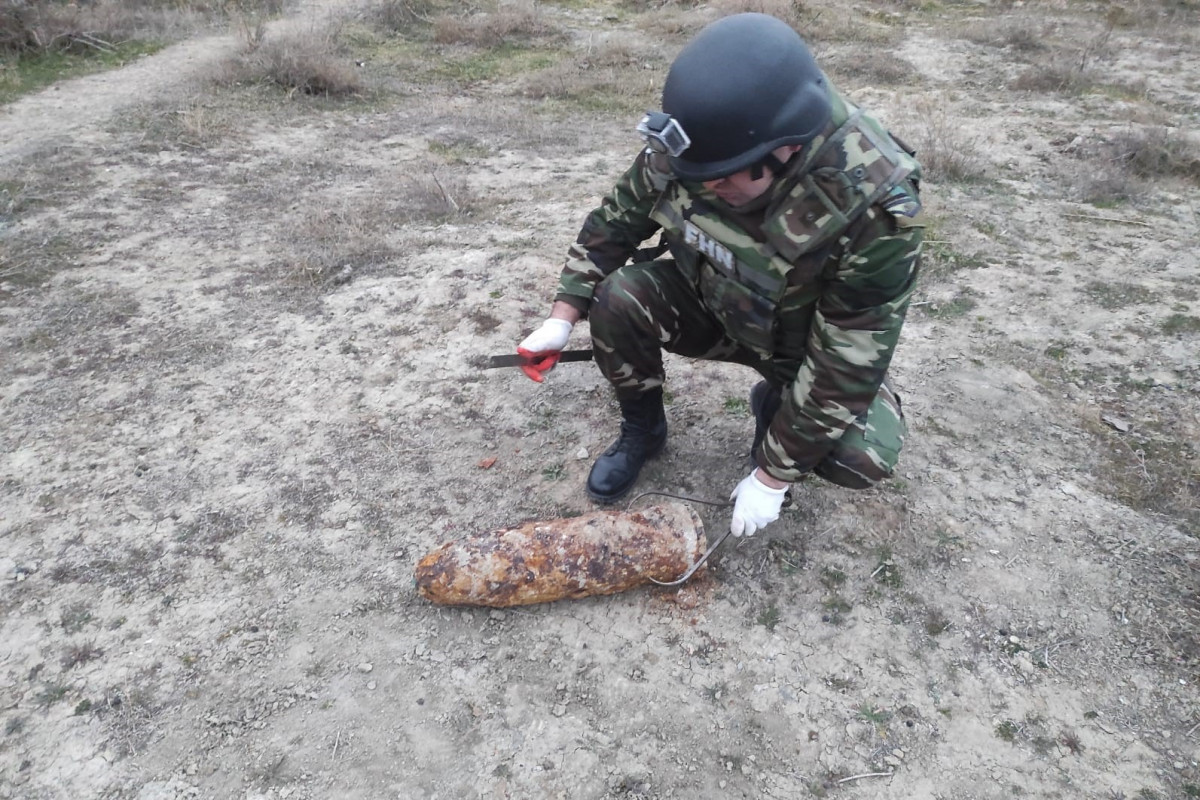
x=240 y=336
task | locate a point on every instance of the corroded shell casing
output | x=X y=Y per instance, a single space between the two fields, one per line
x=603 y=552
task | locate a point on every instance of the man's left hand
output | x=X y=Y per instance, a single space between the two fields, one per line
x=757 y=503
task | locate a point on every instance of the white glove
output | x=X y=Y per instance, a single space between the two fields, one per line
x=552 y=335
x=541 y=348
x=757 y=506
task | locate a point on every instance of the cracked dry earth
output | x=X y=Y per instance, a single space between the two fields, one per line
x=244 y=398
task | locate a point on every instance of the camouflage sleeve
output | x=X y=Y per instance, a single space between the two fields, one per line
x=853 y=335
x=612 y=232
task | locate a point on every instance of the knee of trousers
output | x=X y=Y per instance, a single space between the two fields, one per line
x=870 y=449
x=855 y=468
x=614 y=305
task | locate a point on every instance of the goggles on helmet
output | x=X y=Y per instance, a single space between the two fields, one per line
x=663 y=134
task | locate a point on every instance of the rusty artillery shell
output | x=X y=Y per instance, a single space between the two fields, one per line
x=538 y=562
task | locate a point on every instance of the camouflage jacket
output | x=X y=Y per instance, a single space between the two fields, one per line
x=817 y=284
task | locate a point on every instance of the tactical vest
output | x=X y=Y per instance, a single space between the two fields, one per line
x=743 y=278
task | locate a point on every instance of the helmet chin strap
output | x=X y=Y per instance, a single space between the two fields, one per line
x=770 y=162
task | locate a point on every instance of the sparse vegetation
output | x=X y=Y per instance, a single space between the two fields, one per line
x=1155 y=152
x=874 y=715
x=1022 y=34
x=936 y=623
x=79 y=654
x=948 y=153
x=836 y=608
x=886 y=571
x=74 y=617
x=43 y=42
x=1135 y=161
x=1178 y=324
x=1073 y=68
x=307 y=62
x=739 y=406
x=832 y=578
x=51 y=694
x=1113 y=296
x=959 y=305
x=769 y=617
x=495 y=29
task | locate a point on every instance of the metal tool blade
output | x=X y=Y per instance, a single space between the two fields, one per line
x=516 y=360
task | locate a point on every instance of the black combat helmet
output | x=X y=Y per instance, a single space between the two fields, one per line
x=744 y=86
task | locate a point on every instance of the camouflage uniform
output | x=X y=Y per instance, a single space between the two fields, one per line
x=810 y=290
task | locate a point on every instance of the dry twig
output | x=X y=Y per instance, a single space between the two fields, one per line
x=1109 y=219
x=867 y=775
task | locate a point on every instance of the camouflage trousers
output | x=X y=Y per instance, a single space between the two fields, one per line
x=642 y=309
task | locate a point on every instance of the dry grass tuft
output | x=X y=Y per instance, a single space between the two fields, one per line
x=1073 y=70
x=946 y=151
x=329 y=247
x=793 y=12
x=27 y=28
x=307 y=62
x=611 y=78
x=491 y=29
x=1128 y=165
x=819 y=25
x=1020 y=34
x=408 y=17
x=1156 y=152
x=849 y=68
x=1158 y=475
x=435 y=197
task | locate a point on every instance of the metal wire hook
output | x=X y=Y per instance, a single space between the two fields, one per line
x=712 y=548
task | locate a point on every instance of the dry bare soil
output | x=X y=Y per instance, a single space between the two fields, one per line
x=240 y=330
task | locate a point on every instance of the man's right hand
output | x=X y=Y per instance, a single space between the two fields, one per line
x=542 y=348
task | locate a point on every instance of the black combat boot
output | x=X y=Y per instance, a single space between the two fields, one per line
x=765 y=400
x=643 y=434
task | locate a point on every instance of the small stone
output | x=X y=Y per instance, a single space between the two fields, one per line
x=371 y=685
x=581 y=454
x=496 y=614
x=1117 y=423
x=722 y=783
x=365 y=667
x=892 y=761
x=559 y=709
